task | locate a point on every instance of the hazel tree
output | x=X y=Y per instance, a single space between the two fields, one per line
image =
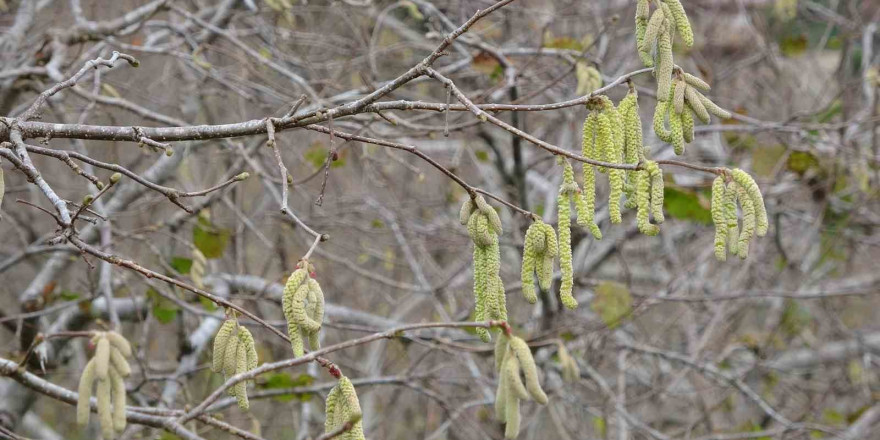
x=291 y=204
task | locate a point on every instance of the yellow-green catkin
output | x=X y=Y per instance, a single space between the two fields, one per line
x=643 y=204
x=748 y=221
x=517 y=360
x=534 y=245
x=731 y=218
x=545 y=262
x=529 y=369
x=687 y=124
x=754 y=193
x=675 y=127
x=660 y=112
x=489 y=300
x=315 y=311
x=695 y=101
x=102 y=358
x=642 y=11
x=587 y=208
x=713 y=108
x=719 y=218
x=680 y=19
x=653 y=30
x=111 y=349
x=633 y=145
x=221 y=340
x=342 y=406
x=604 y=138
x=588 y=78
x=239 y=390
x=664 y=66
x=657 y=187
x=293 y=285
x=567 y=190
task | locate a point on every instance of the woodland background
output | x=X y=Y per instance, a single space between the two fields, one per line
x=671 y=343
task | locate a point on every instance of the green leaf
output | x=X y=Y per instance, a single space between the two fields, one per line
x=793 y=45
x=316 y=155
x=612 y=302
x=285 y=380
x=210 y=239
x=163 y=309
x=68 y=295
x=801 y=161
x=181 y=264
x=685 y=205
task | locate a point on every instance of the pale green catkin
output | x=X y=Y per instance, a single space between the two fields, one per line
x=298 y=310
x=545 y=269
x=230 y=356
x=512 y=415
x=239 y=390
x=730 y=217
x=351 y=409
x=695 y=99
x=103 y=393
x=604 y=138
x=530 y=371
x=84 y=393
x=616 y=180
x=682 y=24
x=479 y=229
x=632 y=123
x=664 y=67
x=656 y=175
x=118 y=362
x=564 y=228
x=500 y=352
x=221 y=340
x=246 y=339
x=102 y=358
x=501 y=392
x=678 y=94
x=481 y=283
x=653 y=30
x=489 y=298
x=748 y=221
x=465 y=213
x=117 y=386
x=713 y=108
x=315 y=311
x=696 y=82
x=119 y=341
x=719 y=218
x=754 y=193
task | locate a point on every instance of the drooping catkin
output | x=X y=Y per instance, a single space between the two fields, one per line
x=719 y=218
x=221 y=340
x=567 y=190
x=303 y=320
x=687 y=124
x=119 y=341
x=643 y=204
x=103 y=392
x=230 y=355
x=534 y=245
x=664 y=66
x=516 y=360
x=641 y=28
x=754 y=192
x=676 y=129
x=529 y=369
x=570 y=370
x=315 y=311
x=693 y=99
x=678 y=89
x=102 y=358
x=490 y=213
x=657 y=185
x=84 y=393
x=342 y=407
x=713 y=108
x=653 y=30
x=748 y=221
x=660 y=112
x=198 y=268
x=489 y=301
x=588 y=78
x=239 y=390
x=118 y=362
x=696 y=82
x=465 y=213
x=730 y=217
x=117 y=386
x=680 y=19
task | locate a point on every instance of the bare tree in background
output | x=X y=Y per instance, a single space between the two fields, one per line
x=246 y=135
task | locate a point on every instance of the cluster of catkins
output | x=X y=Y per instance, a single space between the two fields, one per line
x=234 y=353
x=513 y=361
x=737 y=186
x=303 y=306
x=539 y=252
x=684 y=102
x=108 y=367
x=614 y=135
x=588 y=78
x=342 y=406
x=484 y=226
